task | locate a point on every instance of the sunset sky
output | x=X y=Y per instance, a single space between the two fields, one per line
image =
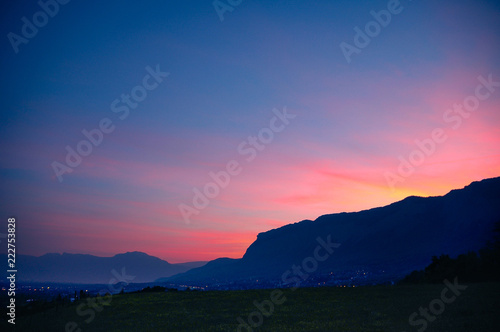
x=349 y=122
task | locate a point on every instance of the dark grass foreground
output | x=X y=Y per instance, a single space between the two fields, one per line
x=378 y=308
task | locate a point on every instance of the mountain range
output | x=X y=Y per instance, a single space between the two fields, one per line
x=138 y=267
x=371 y=246
x=380 y=244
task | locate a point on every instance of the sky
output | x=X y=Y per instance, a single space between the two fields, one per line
x=209 y=124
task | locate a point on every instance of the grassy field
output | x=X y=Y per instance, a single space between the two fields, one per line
x=378 y=308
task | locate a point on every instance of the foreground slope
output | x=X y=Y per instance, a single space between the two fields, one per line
x=380 y=308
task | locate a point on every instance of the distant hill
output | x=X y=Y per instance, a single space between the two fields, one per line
x=88 y=269
x=389 y=241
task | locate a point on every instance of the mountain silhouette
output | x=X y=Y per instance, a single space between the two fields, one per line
x=388 y=242
x=89 y=269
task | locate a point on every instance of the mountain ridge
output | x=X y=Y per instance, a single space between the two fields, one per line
x=370 y=239
x=411 y=231
x=90 y=269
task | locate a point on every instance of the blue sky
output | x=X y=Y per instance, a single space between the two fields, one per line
x=353 y=120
